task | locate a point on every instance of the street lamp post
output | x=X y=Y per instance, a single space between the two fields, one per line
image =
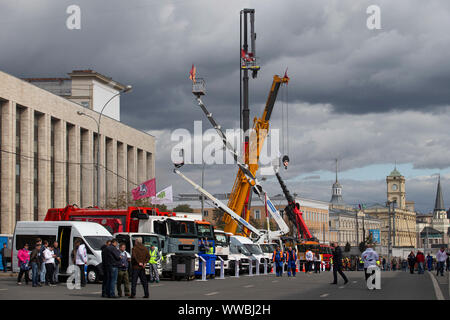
x=127 y=89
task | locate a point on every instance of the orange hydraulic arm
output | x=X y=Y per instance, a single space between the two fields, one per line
x=241 y=187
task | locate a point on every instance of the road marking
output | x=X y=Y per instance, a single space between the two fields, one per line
x=249 y=286
x=156 y=285
x=355 y=281
x=3 y=289
x=341 y=287
x=274 y=280
x=211 y=293
x=437 y=289
x=96 y=292
x=324 y=295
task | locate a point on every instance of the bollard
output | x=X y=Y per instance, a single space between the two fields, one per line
x=222 y=273
x=203 y=269
x=250 y=267
x=257 y=267
x=265 y=266
x=236 y=268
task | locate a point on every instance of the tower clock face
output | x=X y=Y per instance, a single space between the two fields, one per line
x=394 y=187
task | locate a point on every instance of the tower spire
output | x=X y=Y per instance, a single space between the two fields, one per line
x=439 y=203
x=336 y=169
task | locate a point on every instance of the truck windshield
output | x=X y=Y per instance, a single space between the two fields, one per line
x=181 y=228
x=221 y=239
x=147 y=240
x=205 y=231
x=96 y=242
x=239 y=249
x=253 y=248
x=267 y=248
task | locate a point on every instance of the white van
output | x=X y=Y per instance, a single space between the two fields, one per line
x=92 y=234
x=252 y=247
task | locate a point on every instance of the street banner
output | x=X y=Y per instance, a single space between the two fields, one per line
x=163 y=197
x=375 y=235
x=145 y=190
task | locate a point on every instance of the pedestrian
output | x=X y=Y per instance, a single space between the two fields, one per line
x=34 y=262
x=153 y=264
x=139 y=258
x=122 y=276
x=278 y=259
x=429 y=262
x=404 y=264
x=3 y=253
x=441 y=257
x=370 y=258
x=337 y=266
x=49 y=259
x=105 y=270
x=23 y=259
x=291 y=260
x=309 y=260
x=113 y=262
x=42 y=260
x=81 y=259
x=420 y=258
x=317 y=262
x=394 y=264
x=411 y=262
x=57 y=253
x=384 y=264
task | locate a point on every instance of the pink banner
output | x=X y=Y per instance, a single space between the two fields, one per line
x=145 y=190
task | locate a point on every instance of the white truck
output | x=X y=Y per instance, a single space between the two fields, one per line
x=93 y=235
x=253 y=248
x=222 y=240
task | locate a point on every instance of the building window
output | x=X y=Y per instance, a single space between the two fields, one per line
x=85 y=104
x=205 y=213
x=257 y=214
x=52 y=162
x=18 y=159
x=36 y=167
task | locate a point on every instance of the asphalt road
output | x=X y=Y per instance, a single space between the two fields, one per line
x=394 y=285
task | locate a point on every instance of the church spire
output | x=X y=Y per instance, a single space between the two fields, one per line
x=439 y=203
x=336 y=190
x=336 y=169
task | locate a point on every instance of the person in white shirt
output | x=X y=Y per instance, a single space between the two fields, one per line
x=81 y=259
x=309 y=260
x=49 y=260
x=370 y=258
x=441 y=257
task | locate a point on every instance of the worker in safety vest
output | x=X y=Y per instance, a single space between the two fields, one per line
x=291 y=260
x=278 y=259
x=206 y=247
x=154 y=258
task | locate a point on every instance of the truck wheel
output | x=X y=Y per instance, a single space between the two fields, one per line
x=92 y=274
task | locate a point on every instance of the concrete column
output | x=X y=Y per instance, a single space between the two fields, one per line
x=150 y=165
x=111 y=177
x=8 y=200
x=132 y=167
x=74 y=164
x=60 y=165
x=141 y=174
x=87 y=168
x=26 y=164
x=44 y=177
x=121 y=169
x=102 y=164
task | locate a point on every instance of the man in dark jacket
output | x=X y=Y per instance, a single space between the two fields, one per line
x=337 y=263
x=139 y=258
x=113 y=264
x=35 y=263
x=3 y=253
x=105 y=280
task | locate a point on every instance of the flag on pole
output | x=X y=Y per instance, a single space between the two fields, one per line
x=163 y=197
x=192 y=73
x=285 y=75
x=145 y=190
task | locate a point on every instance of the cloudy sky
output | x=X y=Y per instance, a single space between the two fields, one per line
x=367 y=97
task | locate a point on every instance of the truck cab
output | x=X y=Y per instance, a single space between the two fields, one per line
x=179 y=235
x=222 y=249
x=148 y=239
x=250 y=246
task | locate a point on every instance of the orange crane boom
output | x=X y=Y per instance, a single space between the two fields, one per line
x=241 y=188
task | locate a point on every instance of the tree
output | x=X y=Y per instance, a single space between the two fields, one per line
x=218 y=218
x=124 y=200
x=347 y=247
x=183 y=208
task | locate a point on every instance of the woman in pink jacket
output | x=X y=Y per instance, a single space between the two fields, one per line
x=23 y=257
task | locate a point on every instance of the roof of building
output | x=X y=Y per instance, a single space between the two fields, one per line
x=395 y=173
x=431 y=231
x=98 y=76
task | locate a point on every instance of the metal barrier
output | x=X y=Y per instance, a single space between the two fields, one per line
x=236 y=268
x=257 y=267
x=222 y=272
x=265 y=266
x=203 y=269
x=250 y=267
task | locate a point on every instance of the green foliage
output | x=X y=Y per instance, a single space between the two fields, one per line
x=124 y=200
x=183 y=208
x=218 y=218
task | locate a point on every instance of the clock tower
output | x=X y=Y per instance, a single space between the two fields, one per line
x=396 y=188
